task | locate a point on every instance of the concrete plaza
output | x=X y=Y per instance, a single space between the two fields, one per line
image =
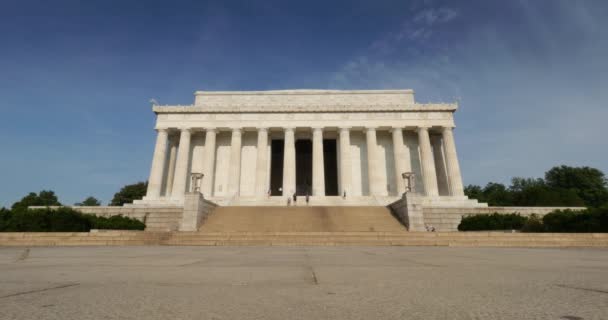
x=302 y=283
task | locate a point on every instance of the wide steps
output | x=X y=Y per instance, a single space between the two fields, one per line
x=301 y=219
x=471 y=239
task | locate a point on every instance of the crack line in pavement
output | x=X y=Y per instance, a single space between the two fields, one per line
x=422 y=263
x=314 y=276
x=579 y=288
x=309 y=266
x=24 y=255
x=40 y=290
x=192 y=263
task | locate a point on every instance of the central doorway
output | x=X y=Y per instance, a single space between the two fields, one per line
x=303 y=167
x=276 y=168
x=330 y=161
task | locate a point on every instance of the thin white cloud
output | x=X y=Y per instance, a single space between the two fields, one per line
x=529 y=101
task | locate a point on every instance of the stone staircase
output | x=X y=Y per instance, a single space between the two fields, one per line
x=362 y=238
x=301 y=219
x=462 y=239
x=93 y=238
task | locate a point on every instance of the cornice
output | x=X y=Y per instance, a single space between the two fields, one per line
x=302 y=92
x=447 y=107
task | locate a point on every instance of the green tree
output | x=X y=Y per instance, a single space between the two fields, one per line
x=535 y=192
x=43 y=198
x=496 y=194
x=588 y=183
x=129 y=193
x=89 y=202
x=474 y=192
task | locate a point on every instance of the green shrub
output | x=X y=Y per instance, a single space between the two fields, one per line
x=590 y=220
x=4 y=217
x=493 y=221
x=115 y=222
x=28 y=220
x=61 y=220
x=65 y=219
x=533 y=224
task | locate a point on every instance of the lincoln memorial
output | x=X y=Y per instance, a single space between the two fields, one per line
x=333 y=147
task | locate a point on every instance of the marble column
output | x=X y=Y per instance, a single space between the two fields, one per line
x=171 y=165
x=234 y=173
x=373 y=173
x=318 y=165
x=289 y=163
x=261 y=170
x=442 y=178
x=209 y=162
x=400 y=159
x=429 y=177
x=180 y=178
x=345 y=162
x=158 y=165
x=453 y=167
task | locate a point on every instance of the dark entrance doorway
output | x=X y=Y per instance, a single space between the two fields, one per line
x=303 y=167
x=330 y=161
x=276 y=167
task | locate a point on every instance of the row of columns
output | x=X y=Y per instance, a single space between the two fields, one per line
x=179 y=157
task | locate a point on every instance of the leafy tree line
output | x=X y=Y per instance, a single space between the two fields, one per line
x=21 y=219
x=126 y=194
x=62 y=219
x=561 y=186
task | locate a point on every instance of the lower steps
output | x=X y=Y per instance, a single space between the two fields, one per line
x=469 y=239
x=301 y=219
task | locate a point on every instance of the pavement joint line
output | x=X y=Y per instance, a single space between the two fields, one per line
x=40 y=290
x=580 y=288
x=24 y=255
x=315 y=280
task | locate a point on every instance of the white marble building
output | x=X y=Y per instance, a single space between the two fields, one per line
x=339 y=147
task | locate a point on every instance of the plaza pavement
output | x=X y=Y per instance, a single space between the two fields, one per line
x=302 y=283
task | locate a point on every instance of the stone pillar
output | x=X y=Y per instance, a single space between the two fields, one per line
x=400 y=159
x=171 y=166
x=289 y=163
x=158 y=165
x=372 y=162
x=181 y=166
x=209 y=162
x=345 y=162
x=453 y=167
x=234 y=173
x=442 y=179
x=429 y=177
x=318 y=165
x=261 y=170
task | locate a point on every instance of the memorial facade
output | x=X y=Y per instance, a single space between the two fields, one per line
x=338 y=147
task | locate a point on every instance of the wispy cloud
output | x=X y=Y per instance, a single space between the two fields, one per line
x=529 y=100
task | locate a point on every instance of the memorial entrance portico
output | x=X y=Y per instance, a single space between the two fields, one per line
x=337 y=147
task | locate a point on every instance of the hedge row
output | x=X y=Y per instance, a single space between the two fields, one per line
x=493 y=221
x=61 y=220
x=590 y=220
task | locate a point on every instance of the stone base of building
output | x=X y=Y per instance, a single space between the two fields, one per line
x=441 y=213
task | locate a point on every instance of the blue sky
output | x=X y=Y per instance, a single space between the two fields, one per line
x=76 y=77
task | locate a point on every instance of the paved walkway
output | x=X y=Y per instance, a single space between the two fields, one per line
x=302 y=283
